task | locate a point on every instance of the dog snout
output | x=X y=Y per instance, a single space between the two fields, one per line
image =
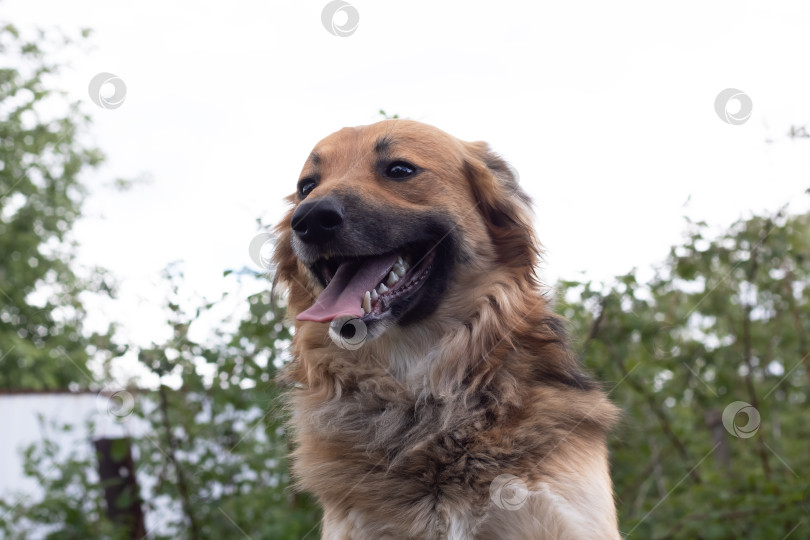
x=317 y=222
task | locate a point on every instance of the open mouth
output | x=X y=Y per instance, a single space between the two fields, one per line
x=368 y=287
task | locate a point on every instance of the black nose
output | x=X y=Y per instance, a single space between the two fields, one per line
x=316 y=222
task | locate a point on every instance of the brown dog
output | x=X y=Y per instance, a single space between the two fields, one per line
x=435 y=395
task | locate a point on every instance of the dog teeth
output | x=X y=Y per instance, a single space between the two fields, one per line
x=392 y=279
x=382 y=288
x=374 y=294
x=401 y=266
x=367 y=303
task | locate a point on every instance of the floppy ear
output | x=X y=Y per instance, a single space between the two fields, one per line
x=505 y=207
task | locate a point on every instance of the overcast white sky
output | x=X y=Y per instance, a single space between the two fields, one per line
x=605 y=108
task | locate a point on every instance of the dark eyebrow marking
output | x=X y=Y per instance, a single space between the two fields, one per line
x=315 y=158
x=383 y=144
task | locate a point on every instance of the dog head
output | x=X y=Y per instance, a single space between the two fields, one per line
x=393 y=220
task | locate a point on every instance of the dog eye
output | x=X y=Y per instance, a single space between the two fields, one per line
x=305 y=186
x=399 y=170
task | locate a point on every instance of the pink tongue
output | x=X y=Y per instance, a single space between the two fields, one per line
x=344 y=294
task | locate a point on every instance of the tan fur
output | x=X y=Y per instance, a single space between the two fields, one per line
x=403 y=437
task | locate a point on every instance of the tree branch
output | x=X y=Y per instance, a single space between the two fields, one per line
x=182 y=486
x=748 y=353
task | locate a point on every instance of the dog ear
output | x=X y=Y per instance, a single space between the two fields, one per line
x=506 y=208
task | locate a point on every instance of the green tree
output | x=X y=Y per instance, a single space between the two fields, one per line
x=219 y=449
x=42 y=343
x=725 y=320
x=73 y=504
x=215 y=444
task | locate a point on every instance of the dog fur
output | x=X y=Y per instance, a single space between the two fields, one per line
x=469 y=419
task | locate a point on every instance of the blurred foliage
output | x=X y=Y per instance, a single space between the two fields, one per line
x=218 y=448
x=42 y=344
x=214 y=446
x=387 y=116
x=725 y=319
x=74 y=504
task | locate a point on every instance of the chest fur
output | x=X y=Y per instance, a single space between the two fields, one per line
x=422 y=461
